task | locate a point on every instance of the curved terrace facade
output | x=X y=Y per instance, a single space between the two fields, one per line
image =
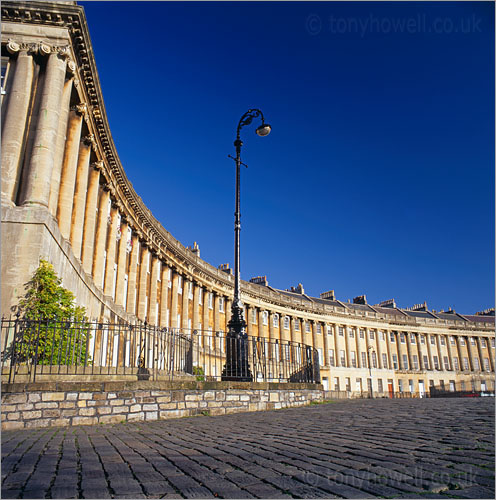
x=66 y=198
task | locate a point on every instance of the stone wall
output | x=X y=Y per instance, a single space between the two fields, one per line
x=64 y=403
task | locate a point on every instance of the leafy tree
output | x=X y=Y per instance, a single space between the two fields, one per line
x=53 y=330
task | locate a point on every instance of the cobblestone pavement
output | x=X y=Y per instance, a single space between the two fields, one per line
x=427 y=448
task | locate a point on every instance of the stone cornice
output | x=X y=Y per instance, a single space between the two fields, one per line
x=135 y=212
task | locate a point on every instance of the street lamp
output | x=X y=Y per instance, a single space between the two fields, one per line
x=237 y=367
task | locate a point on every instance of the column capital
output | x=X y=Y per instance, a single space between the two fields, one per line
x=80 y=109
x=89 y=140
x=46 y=49
x=13 y=47
x=98 y=165
x=71 y=66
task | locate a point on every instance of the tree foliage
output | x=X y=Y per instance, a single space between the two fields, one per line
x=46 y=298
x=53 y=329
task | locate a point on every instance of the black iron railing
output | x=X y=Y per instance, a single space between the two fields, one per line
x=35 y=349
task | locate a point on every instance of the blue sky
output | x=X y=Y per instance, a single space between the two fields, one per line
x=378 y=176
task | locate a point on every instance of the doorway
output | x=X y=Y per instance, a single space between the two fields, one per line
x=421 y=389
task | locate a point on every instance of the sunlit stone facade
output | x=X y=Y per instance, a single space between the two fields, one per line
x=66 y=198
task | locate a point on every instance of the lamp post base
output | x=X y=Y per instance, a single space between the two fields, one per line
x=237 y=367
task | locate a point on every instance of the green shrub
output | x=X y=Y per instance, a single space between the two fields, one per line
x=56 y=330
x=198 y=371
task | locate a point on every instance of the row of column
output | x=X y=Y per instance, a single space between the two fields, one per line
x=39 y=92
x=412 y=349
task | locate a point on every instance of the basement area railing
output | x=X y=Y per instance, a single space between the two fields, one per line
x=36 y=350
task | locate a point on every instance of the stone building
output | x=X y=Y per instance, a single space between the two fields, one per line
x=66 y=198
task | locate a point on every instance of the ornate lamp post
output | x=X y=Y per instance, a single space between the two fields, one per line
x=237 y=367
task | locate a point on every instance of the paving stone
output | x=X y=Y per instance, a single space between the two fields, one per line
x=61 y=492
x=158 y=487
x=262 y=490
x=37 y=493
x=15 y=493
x=96 y=493
x=351 y=449
x=474 y=492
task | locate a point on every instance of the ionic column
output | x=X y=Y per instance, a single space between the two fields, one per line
x=448 y=348
x=398 y=350
x=132 y=276
x=479 y=350
x=15 y=122
x=196 y=306
x=337 y=361
x=460 y=355
x=185 y=308
x=271 y=326
x=39 y=173
x=143 y=283
x=216 y=313
x=469 y=353
x=205 y=321
x=489 y=353
x=110 y=262
x=358 y=353
x=80 y=196
x=326 y=345
x=388 y=350
x=347 y=346
x=90 y=218
x=314 y=334
x=153 y=306
x=121 y=265
x=419 y=352
x=164 y=296
x=378 y=349
x=68 y=176
x=53 y=199
x=429 y=352
x=249 y=326
x=292 y=329
x=260 y=323
x=408 y=338
x=101 y=237
x=173 y=312
x=368 y=356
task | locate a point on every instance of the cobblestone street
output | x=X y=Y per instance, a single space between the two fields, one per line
x=427 y=448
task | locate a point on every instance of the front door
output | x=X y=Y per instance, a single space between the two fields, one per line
x=391 y=390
